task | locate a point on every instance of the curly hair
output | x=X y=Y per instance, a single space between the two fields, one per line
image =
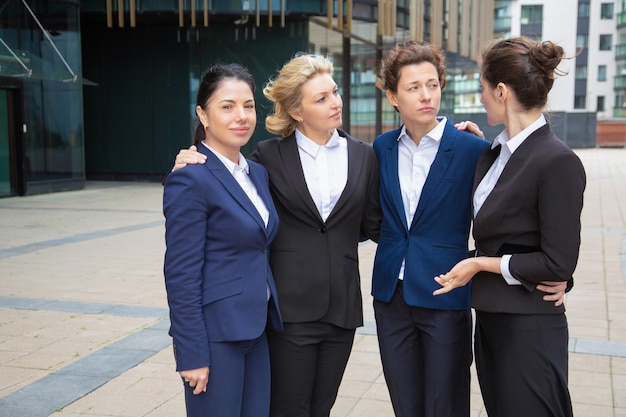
x=407 y=53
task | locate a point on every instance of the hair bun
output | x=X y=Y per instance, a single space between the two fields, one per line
x=545 y=57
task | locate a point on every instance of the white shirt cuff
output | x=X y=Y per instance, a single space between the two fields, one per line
x=504 y=268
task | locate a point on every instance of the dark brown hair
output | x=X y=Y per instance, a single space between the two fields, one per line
x=407 y=53
x=211 y=80
x=526 y=66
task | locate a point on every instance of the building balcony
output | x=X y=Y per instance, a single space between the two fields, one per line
x=620 y=18
x=502 y=24
x=620 y=52
x=463 y=86
x=619 y=112
x=619 y=83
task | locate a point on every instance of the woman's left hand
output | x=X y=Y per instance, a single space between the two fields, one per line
x=555 y=290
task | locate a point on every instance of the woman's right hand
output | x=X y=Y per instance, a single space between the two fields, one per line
x=471 y=127
x=196 y=378
x=188 y=156
x=555 y=291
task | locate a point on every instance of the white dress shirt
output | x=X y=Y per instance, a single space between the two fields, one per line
x=241 y=172
x=487 y=184
x=325 y=170
x=414 y=163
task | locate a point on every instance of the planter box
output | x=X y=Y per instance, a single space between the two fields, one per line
x=611 y=134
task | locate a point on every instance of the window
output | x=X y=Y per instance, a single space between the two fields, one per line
x=600 y=103
x=532 y=15
x=601 y=72
x=606 y=11
x=606 y=42
x=583 y=9
x=581 y=72
x=581 y=41
x=580 y=102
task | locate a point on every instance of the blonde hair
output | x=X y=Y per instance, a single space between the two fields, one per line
x=285 y=90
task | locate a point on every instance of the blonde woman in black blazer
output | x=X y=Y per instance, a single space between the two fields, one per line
x=528 y=197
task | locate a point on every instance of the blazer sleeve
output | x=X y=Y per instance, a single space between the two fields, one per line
x=370 y=226
x=561 y=185
x=185 y=211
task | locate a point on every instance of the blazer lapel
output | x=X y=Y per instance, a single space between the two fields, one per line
x=217 y=168
x=501 y=191
x=485 y=161
x=355 y=169
x=263 y=191
x=437 y=170
x=392 y=178
x=290 y=158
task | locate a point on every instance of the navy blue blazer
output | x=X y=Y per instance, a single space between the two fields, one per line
x=438 y=236
x=217 y=259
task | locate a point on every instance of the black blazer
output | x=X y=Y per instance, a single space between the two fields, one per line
x=533 y=213
x=315 y=263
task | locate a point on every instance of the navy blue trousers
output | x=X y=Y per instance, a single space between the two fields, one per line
x=426 y=356
x=239 y=381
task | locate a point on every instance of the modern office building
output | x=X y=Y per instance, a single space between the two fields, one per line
x=105 y=89
x=591 y=99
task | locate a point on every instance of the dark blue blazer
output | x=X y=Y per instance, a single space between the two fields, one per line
x=217 y=259
x=438 y=236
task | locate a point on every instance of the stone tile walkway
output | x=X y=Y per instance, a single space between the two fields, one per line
x=83 y=314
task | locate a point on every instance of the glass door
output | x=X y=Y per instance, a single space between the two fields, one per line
x=8 y=180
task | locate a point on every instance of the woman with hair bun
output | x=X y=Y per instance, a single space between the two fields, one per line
x=527 y=201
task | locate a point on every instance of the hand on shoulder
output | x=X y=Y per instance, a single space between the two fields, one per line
x=470 y=127
x=189 y=156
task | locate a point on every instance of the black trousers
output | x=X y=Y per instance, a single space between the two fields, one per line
x=521 y=360
x=426 y=356
x=307 y=362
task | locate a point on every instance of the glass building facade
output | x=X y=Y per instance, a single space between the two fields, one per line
x=105 y=89
x=41 y=113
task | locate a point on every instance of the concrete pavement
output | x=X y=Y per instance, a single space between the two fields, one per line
x=83 y=314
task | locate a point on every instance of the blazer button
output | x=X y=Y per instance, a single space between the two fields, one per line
x=323 y=230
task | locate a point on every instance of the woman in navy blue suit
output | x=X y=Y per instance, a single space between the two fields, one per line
x=220 y=221
x=527 y=201
x=426 y=171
